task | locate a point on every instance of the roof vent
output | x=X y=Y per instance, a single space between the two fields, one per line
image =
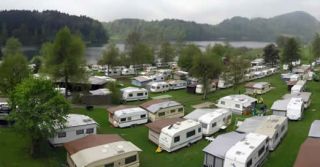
x=238 y=152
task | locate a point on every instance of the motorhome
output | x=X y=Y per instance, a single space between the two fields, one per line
x=133 y=94
x=76 y=127
x=214 y=153
x=158 y=87
x=212 y=88
x=249 y=152
x=273 y=126
x=238 y=104
x=295 y=109
x=108 y=150
x=257 y=88
x=156 y=127
x=162 y=109
x=126 y=116
x=177 y=84
x=279 y=107
x=179 y=135
x=306 y=97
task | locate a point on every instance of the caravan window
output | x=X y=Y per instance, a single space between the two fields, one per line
x=180 y=109
x=158 y=87
x=139 y=94
x=223 y=102
x=176 y=139
x=130 y=159
x=199 y=130
x=214 y=124
x=130 y=95
x=129 y=118
x=160 y=114
x=204 y=126
x=123 y=119
x=62 y=134
x=191 y=133
x=109 y=165
x=282 y=128
x=249 y=163
x=89 y=131
x=237 y=105
x=172 y=111
x=261 y=151
x=277 y=135
x=143 y=116
x=79 y=132
x=146 y=93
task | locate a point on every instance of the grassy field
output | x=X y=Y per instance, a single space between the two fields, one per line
x=14 y=150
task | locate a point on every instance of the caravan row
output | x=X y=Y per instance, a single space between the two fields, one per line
x=166 y=86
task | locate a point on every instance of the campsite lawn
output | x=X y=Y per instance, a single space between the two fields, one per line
x=14 y=151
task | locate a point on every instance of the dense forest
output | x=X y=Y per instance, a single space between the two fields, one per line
x=298 y=24
x=34 y=28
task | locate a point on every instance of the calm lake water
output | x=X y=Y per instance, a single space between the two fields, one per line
x=94 y=53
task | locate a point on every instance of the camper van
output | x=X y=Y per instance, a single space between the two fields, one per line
x=214 y=121
x=199 y=88
x=249 y=152
x=177 y=84
x=133 y=94
x=238 y=104
x=179 y=135
x=273 y=126
x=126 y=116
x=158 y=87
x=76 y=127
x=295 y=109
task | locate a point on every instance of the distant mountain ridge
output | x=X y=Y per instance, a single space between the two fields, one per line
x=299 y=24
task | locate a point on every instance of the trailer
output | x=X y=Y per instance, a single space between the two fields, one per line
x=212 y=87
x=141 y=80
x=179 y=135
x=128 y=71
x=273 y=126
x=295 y=109
x=298 y=87
x=238 y=104
x=133 y=94
x=76 y=127
x=249 y=152
x=177 y=84
x=259 y=88
x=158 y=87
x=306 y=97
x=126 y=116
x=279 y=107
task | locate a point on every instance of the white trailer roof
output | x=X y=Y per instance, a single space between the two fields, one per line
x=157 y=83
x=295 y=103
x=197 y=113
x=78 y=120
x=244 y=148
x=103 y=91
x=280 y=105
x=154 y=106
x=177 y=127
x=220 y=145
x=132 y=89
x=97 y=153
x=207 y=118
x=304 y=95
x=315 y=129
x=257 y=85
x=244 y=99
x=131 y=111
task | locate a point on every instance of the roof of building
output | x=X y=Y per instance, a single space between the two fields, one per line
x=308 y=155
x=244 y=99
x=280 y=105
x=103 y=91
x=220 y=145
x=315 y=129
x=94 y=148
x=156 y=126
x=304 y=95
x=177 y=127
x=78 y=120
x=256 y=85
x=244 y=148
x=155 y=105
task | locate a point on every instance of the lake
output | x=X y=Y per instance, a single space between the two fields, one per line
x=94 y=53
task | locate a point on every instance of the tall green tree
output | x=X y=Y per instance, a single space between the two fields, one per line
x=14 y=67
x=316 y=46
x=41 y=110
x=37 y=61
x=110 y=56
x=236 y=69
x=282 y=40
x=291 y=51
x=271 y=54
x=206 y=67
x=65 y=58
x=166 y=53
x=187 y=55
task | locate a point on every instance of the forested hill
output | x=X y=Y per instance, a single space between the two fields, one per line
x=299 y=24
x=34 y=28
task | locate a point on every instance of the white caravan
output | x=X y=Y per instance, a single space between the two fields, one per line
x=295 y=109
x=76 y=127
x=127 y=71
x=177 y=84
x=238 y=104
x=298 y=87
x=199 y=88
x=158 y=87
x=113 y=72
x=212 y=122
x=133 y=94
x=179 y=135
x=224 y=83
x=126 y=116
x=249 y=152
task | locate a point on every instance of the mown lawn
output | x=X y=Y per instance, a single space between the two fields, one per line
x=14 y=151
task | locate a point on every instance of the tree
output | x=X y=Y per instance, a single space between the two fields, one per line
x=166 y=53
x=187 y=55
x=110 y=56
x=38 y=110
x=236 y=69
x=206 y=67
x=282 y=40
x=316 y=46
x=115 y=95
x=141 y=54
x=37 y=61
x=133 y=39
x=291 y=51
x=14 y=67
x=271 y=54
x=64 y=58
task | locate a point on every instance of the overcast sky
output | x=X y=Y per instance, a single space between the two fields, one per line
x=202 y=11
